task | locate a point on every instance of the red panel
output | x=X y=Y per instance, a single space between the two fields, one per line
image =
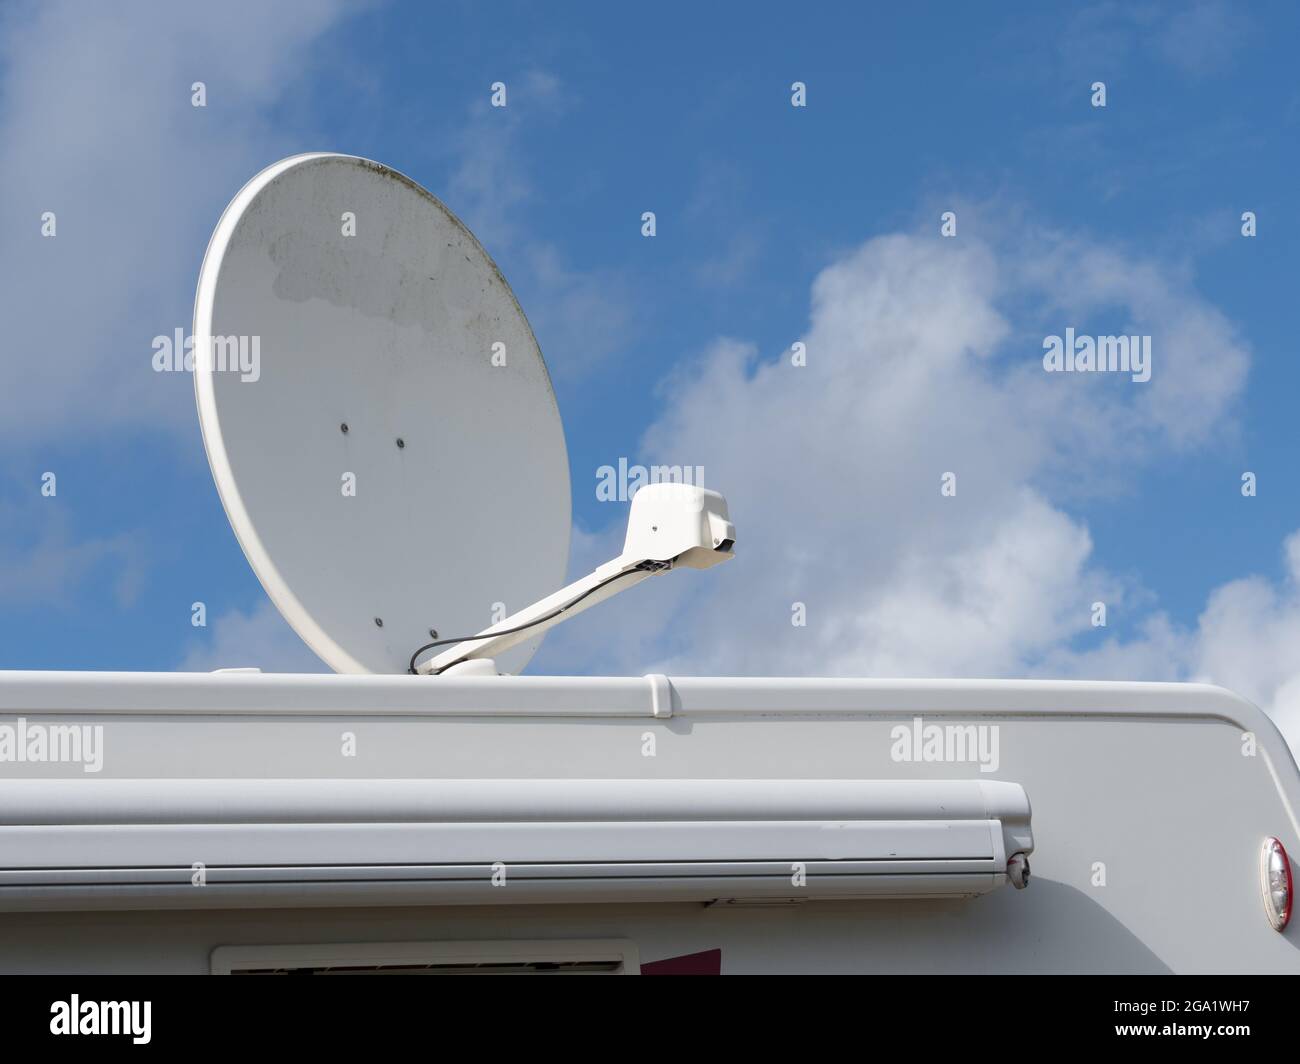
x=707 y=963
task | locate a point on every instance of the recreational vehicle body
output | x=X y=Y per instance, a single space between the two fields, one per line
x=246 y=822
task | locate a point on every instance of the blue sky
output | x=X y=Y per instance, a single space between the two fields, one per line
x=1068 y=215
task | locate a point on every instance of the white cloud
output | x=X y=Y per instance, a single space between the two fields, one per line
x=42 y=562
x=720 y=212
x=1203 y=38
x=259 y=638
x=1198 y=38
x=1248 y=639
x=96 y=125
x=833 y=474
x=581 y=318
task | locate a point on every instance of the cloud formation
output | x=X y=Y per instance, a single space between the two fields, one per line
x=581 y=318
x=97 y=126
x=256 y=638
x=924 y=357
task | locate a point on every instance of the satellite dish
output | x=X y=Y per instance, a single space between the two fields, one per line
x=377 y=415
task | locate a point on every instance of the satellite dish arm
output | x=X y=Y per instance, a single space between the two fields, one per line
x=670 y=525
x=535 y=619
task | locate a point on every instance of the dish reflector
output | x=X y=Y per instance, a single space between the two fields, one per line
x=377 y=415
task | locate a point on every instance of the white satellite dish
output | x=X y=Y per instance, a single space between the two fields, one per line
x=376 y=360
x=384 y=436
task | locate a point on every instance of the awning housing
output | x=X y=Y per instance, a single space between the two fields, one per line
x=104 y=844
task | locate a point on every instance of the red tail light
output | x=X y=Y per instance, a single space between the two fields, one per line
x=1275 y=877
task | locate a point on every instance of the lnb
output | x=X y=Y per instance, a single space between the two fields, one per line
x=679 y=524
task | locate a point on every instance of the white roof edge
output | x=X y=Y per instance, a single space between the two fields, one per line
x=325 y=694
